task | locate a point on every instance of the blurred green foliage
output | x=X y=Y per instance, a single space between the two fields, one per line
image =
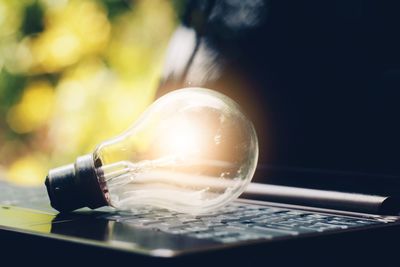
x=73 y=73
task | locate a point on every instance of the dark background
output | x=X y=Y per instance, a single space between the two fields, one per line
x=319 y=79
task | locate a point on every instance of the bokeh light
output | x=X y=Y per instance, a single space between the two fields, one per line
x=73 y=73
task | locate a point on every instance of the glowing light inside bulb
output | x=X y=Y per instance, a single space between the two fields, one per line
x=182 y=138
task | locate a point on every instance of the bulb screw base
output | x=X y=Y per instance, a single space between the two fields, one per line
x=75 y=186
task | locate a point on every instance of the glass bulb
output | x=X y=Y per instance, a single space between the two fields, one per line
x=191 y=151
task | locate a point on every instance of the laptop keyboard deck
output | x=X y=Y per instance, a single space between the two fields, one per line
x=236 y=222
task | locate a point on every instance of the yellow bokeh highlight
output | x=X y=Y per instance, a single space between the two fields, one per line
x=79 y=29
x=10 y=17
x=146 y=28
x=10 y=22
x=28 y=170
x=34 y=109
x=93 y=104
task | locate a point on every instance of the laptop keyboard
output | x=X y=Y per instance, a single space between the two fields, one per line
x=238 y=222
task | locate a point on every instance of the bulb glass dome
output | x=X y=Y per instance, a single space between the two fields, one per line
x=192 y=151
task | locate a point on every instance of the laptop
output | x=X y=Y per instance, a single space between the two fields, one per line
x=328 y=171
x=147 y=234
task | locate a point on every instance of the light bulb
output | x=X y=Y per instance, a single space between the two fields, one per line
x=191 y=151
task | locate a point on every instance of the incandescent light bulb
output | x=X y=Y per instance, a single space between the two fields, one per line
x=191 y=151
